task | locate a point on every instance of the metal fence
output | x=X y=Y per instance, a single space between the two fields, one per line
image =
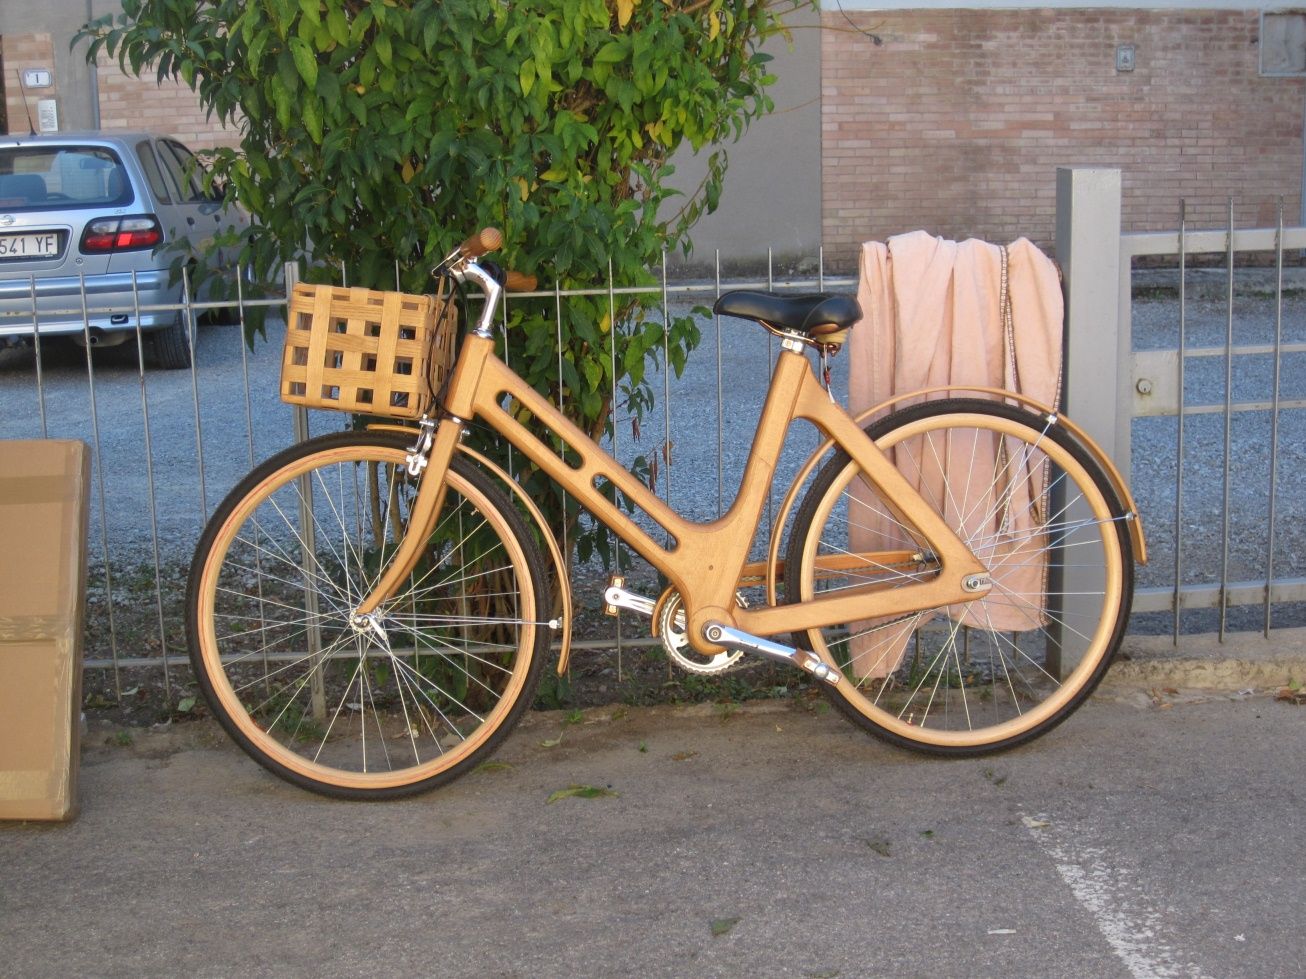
x=167 y=445
x=1185 y=360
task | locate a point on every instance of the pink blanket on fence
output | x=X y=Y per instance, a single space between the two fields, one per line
x=933 y=314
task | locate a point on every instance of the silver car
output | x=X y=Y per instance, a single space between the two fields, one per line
x=91 y=215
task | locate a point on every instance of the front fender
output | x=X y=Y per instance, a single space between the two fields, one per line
x=563 y=579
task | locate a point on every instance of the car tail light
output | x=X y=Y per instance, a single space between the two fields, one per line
x=129 y=234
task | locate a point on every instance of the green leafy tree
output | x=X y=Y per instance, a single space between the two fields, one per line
x=375 y=134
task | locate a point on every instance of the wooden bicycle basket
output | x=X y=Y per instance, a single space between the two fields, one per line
x=359 y=350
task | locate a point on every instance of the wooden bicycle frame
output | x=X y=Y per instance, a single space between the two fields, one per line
x=706 y=560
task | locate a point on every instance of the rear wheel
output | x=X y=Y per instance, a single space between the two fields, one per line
x=1037 y=510
x=172 y=344
x=412 y=698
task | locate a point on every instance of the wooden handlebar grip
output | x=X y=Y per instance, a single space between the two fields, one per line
x=518 y=282
x=485 y=240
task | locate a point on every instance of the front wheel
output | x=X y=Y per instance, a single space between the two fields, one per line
x=1037 y=510
x=396 y=705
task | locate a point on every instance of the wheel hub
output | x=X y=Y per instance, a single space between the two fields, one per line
x=370 y=625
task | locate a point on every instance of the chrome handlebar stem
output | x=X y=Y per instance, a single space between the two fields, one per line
x=466 y=269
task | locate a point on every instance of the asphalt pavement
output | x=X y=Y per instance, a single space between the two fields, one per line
x=1156 y=833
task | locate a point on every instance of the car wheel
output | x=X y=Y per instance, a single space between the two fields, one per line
x=172 y=345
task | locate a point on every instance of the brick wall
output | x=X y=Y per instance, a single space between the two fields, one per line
x=957 y=123
x=169 y=107
x=125 y=102
x=22 y=51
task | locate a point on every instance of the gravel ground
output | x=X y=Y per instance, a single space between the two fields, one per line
x=198 y=455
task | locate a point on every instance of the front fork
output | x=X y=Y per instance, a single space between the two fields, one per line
x=428 y=461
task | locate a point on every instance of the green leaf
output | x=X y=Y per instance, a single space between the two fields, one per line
x=610 y=53
x=384 y=49
x=722 y=926
x=305 y=61
x=581 y=792
x=312 y=119
x=337 y=25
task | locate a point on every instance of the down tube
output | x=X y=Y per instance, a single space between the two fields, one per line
x=496 y=381
x=708 y=557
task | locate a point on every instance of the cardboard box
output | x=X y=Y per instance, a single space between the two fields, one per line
x=44 y=496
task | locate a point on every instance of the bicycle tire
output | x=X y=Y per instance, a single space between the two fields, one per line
x=374 y=713
x=981 y=676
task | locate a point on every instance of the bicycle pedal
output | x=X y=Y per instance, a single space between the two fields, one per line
x=615 y=582
x=617 y=598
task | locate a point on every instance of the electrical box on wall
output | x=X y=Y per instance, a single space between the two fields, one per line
x=1283 y=43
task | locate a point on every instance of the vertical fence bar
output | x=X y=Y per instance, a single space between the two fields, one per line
x=191 y=328
x=308 y=567
x=562 y=446
x=253 y=461
x=1228 y=433
x=507 y=362
x=820 y=287
x=36 y=340
x=244 y=370
x=720 y=403
x=299 y=415
x=616 y=541
x=667 y=448
x=149 y=480
x=1274 y=415
x=1179 y=429
x=99 y=481
x=770 y=365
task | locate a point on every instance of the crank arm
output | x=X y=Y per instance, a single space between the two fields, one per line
x=617 y=598
x=736 y=640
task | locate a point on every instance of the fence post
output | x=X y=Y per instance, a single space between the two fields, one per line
x=1096 y=374
x=1097 y=341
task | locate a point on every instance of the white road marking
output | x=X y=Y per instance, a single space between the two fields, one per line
x=1126 y=916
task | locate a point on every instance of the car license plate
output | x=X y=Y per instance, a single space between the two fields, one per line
x=44 y=244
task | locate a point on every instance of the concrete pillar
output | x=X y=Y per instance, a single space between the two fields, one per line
x=1097 y=334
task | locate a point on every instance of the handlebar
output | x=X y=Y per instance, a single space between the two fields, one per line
x=488 y=240
x=484 y=241
x=519 y=282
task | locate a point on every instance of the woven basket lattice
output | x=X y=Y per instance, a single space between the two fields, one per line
x=358 y=350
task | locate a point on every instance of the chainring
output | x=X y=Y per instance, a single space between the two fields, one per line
x=671 y=629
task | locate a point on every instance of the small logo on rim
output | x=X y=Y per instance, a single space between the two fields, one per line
x=6 y=220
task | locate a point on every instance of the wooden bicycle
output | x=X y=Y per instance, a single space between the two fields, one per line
x=369 y=612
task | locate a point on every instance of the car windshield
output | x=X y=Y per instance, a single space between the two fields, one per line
x=43 y=178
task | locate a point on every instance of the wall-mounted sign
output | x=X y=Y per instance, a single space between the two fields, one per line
x=37 y=78
x=47 y=116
